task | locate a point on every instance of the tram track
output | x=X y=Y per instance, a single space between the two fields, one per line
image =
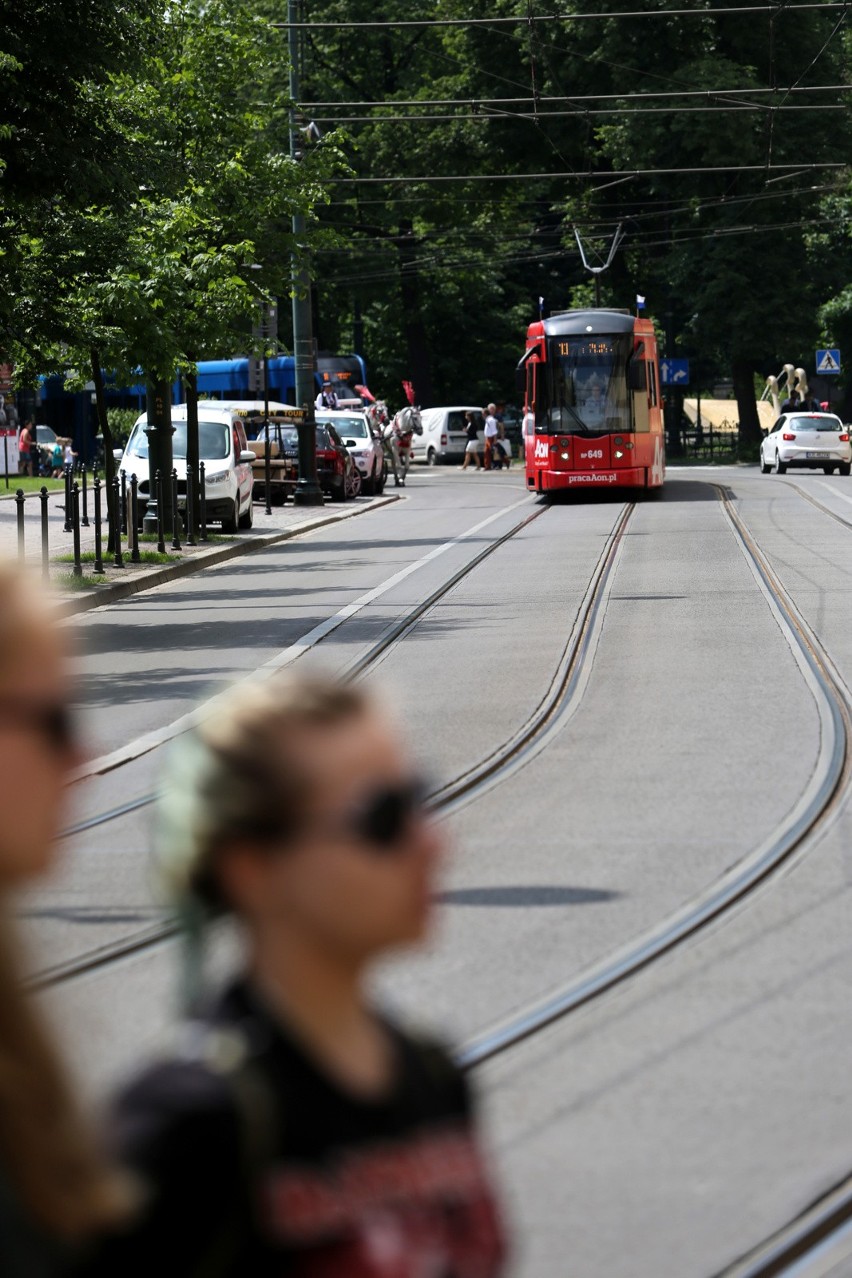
x=565 y=683
x=790 y=840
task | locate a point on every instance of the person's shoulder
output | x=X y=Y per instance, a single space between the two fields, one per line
x=429 y=1066
x=176 y=1105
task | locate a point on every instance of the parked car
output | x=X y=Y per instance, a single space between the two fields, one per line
x=444 y=437
x=227 y=462
x=817 y=441
x=336 y=470
x=364 y=444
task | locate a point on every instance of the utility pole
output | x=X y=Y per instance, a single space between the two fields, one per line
x=308 y=491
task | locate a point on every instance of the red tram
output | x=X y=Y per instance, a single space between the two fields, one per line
x=592 y=403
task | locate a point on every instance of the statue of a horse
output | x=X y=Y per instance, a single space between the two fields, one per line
x=397 y=435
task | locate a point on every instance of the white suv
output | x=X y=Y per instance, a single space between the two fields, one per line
x=227 y=461
x=364 y=445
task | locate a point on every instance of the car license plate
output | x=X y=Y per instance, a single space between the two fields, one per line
x=818 y=455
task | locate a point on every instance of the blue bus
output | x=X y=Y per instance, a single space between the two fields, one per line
x=73 y=415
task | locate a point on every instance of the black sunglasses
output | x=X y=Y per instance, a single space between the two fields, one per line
x=383 y=819
x=55 y=723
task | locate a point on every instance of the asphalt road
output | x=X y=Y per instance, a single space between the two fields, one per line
x=674 y=1123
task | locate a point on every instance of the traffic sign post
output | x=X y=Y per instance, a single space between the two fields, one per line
x=674 y=372
x=828 y=362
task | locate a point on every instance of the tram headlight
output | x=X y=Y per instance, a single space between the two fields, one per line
x=618 y=454
x=564 y=456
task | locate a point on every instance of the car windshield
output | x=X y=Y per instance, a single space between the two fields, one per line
x=832 y=424
x=213 y=440
x=352 y=427
x=44 y=435
x=322 y=437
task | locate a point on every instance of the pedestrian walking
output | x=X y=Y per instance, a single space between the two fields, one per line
x=491 y=433
x=471 y=448
x=26 y=447
x=301 y=1131
x=56 y=1192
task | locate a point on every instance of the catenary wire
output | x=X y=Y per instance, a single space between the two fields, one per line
x=590 y=173
x=525 y=19
x=750 y=91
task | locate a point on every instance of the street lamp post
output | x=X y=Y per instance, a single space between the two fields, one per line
x=308 y=491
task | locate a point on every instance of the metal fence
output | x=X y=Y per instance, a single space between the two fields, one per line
x=116 y=517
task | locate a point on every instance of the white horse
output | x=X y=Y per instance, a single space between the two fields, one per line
x=397 y=437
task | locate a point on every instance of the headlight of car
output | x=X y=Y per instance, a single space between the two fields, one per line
x=219 y=478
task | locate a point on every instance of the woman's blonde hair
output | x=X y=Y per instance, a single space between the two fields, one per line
x=47 y=1153
x=238 y=776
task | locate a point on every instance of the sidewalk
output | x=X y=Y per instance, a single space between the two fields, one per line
x=79 y=595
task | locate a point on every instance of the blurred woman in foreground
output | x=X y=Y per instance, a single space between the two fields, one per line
x=301 y=1132
x=55 y=1194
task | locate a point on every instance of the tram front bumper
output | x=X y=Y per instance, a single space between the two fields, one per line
x=625 y=477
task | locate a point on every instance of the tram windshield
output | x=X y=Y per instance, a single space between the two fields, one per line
x=587 y=385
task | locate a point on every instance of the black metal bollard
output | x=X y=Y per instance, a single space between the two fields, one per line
x=123 y=477
x=19 y=511
x=45 y=551
x=190 y=507
x=84 y=519
x=117 y=558
x=175 y=513
x=68 y=512
x=75 y=506
x=134 y=519
x=99 y=562
x=161 y=533
x=202 y=502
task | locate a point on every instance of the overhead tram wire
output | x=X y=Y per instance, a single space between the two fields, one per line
x=524 y=19
x=585 y=174
x=536 y=116
x=748 y=91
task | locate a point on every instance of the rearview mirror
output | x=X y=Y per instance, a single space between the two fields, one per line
x=350 y=443
x=246 y=456
x=638 y=375
x=118 y=453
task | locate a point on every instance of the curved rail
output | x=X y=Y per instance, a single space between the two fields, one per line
x=813 y=1244
x=789 y=840
x=565 y=682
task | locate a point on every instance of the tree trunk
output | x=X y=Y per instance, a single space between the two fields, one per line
x=109 y=460
x=414 y=330
x=743 y=375
x=192 y=457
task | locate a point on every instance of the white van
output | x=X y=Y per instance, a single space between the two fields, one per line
x=223 y=448
x=444 y=435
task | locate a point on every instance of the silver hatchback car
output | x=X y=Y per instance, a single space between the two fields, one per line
x=816 y=441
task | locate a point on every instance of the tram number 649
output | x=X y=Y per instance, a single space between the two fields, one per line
x=594 y=453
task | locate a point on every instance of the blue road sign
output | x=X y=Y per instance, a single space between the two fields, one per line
x=827 y=362
x=674 y=372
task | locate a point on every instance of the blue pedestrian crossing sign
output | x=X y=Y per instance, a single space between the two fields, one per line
x=674 y=372
x=827 y=362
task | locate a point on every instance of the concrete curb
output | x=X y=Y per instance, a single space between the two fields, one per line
x=69 y=605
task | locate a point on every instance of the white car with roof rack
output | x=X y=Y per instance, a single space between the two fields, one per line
x=222 y=447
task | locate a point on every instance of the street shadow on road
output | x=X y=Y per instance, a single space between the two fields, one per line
x=675 y=490
x=527 y=894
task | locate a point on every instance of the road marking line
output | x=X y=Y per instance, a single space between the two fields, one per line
x=832 y=489
x=152 y=740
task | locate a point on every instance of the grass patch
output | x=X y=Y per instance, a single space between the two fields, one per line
x=145 y=557
x=29 y=484
x=68 y=581
x=211 y=537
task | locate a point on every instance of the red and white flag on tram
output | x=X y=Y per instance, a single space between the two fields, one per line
x=408 y=387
